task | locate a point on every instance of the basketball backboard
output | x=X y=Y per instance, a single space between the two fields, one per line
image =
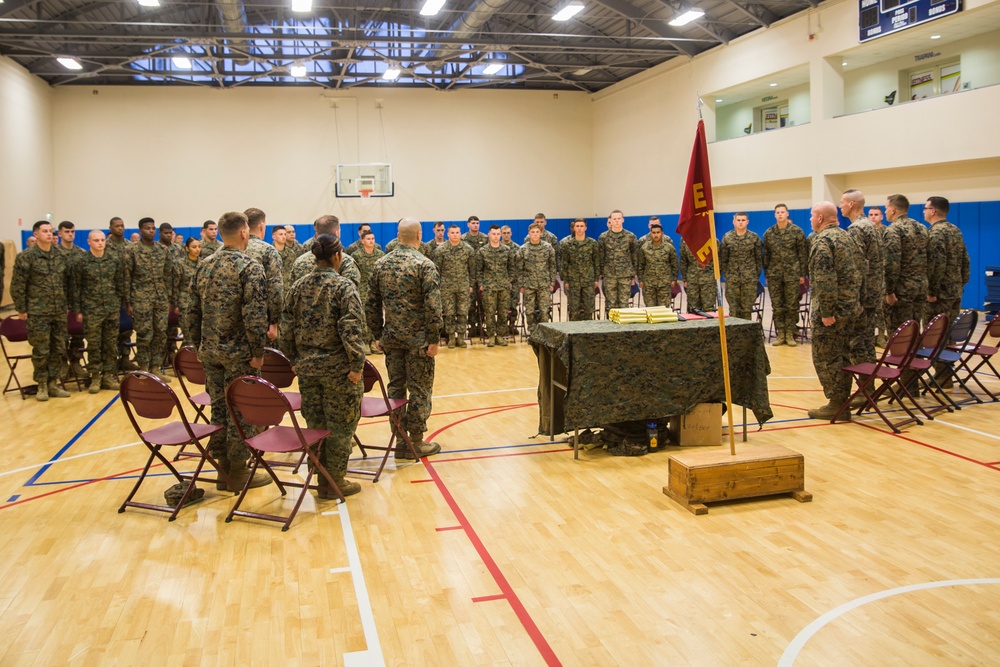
x=374 y=178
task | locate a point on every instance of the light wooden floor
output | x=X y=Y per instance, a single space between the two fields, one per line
x=503 y=550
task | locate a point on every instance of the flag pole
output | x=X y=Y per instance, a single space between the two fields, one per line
x=722 y=333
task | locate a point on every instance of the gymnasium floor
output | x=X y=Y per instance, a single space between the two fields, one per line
x=503 y=550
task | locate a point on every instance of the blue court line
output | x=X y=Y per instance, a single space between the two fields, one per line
x=41 y=471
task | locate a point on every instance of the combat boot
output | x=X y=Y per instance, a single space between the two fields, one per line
x=95 y=383
x=790 y=338
x=779 y=337
x=452 y=341
x=108 y=381
x=77 y=370
x=238 y=478
x=56 y=391
x=491 y=341
x=127 y=365
x=43 y=392
x=423 y=448
x=828 y=411
x=501 y=341
x=346 y=486
x=159 y=374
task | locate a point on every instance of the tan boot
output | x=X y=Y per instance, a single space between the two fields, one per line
x=238 y=478
x=159 y=374
x=790 y=338
x=491 y=341
x=452 y=341
x=108 y=381
x=42 y=394
x=95 y=384
x=55 y=391
x=828 y=411
x=346 y=486
x=779 y=337
x=423 y=448
x=501 y=341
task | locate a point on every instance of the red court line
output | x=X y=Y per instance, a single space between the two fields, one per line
x=991 y=466
x=790 y=407
x=454 y=412
x=502 y=456
x=75 y=486
x=775 y=391
x=490 y=598
x=507 y=591
x=420 y=481
x=443 y=528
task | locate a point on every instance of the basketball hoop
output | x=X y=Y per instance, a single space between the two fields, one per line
x=365 y=194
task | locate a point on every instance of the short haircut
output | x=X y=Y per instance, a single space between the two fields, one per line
x=777 y=206
x=146 y=221
x=506 y=227
x=534 y=225
x=438 y=224
x=656 y=225
x=191 y=239
x=496 y=227
x=939 y=204
x=539 y=216
x=112 y=220
x=408 y=230
x=367 y=233
x=35 y=227
x=616 y=211
x=741 y=214
x=94 y=231
x=654 y=218
x=326 y=246
x=473 y=218
x=583 y=220
x=450 y=227
x=231 y=223
x=66 y=224
x=255 y=216
x=362 y=227
x=166 y=227
x=207 y=224
x=327 y=224
x=898 y=202
x=855 y=196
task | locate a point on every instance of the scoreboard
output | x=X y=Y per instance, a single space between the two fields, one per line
x=877 y=18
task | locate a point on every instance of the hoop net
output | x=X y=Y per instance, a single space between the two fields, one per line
x=365 y=194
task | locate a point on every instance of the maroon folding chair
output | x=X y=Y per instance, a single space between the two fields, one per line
x=982 y=352
x=381 y=406
x=145 y=395
x=74 y=329
x=14 y=330
x=958 y=336
x=877 y=379
x=277 y=370
x=189 y=369
x=917 y=369
x=263 y=405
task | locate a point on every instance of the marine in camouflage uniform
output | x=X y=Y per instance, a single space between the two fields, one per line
x=579 y=267
x=536 y=275
x=495 y=264
x=323 y=340
x=39 y=287
x=741 y=260
x=549 y=238
x=365 y=261
x=456 y=264
x=786 y=258
x=618 y=253
x=476 y=240
x=514 y=301
x=871 y=263
x=836 y=292
x=905 y=264
x=356 y=246
x=72 y=253
x=699 y=282
x=228 y=318
x=175 y=252
x=98 y=296
x=209 y=246
x=403 y=311
x=184 y=270
x=288 y=255
x=392 y=245
x=269 y=258
x=657 y=268
x=307 y=262
x=947 y=262
x=118 y=246
x=149 y=296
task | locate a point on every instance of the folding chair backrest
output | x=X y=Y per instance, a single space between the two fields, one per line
x=277 y=369
x=803 y=289
x=963 y=326
x=903 y=343
x=124 y=321
x=187 y=366
x=173 y=318
x=257 y=401
x=933 y=339
x=992 y=329
x=370 y=375
x=73 y=328
x=14 y=329
x=148 y=396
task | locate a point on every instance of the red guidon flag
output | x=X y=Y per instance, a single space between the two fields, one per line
x=693 y=225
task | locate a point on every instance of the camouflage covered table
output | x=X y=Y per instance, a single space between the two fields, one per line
x=597 y=372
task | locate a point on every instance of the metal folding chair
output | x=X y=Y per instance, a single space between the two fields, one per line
x=14 y=330
x=263 y=405
x=877 y=379
x=959 y=335
x=757 y=312
x=915 y=373
x=74 y=329
x=144 y=395
x=189 y=369
x=381 y=406
x=277 y=370
x=984 y=353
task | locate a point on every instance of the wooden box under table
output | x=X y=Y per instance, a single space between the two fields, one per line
x=702 y=476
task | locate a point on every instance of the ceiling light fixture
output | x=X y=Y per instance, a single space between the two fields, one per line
x=774 y=85
x=302 y=5
x=568 y=12
x=493 y=68
x=431 y=7
x=935 y=36
x=392 y=73
x=585 y=70
x=149 y=3
x=182 y=62
x=70 y=63
x=718 y=99
x=843 y=64
x=686 y=17
x=298 y=71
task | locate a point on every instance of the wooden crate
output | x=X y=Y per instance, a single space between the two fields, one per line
x=699 y=477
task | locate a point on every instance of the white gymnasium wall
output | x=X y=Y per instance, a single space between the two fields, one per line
x=186 y=154
x=880 y=148
x=25 y=149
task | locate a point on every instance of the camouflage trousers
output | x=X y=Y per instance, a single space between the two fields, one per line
x=411 y=372
x=47 y=338
x=580 y=300
x=741 y=295
x=785 y=297
x=656 y=295
x=495 y=311
x=537 y=303
x=863 y=336
x=333 y=403
x=102 y=343
x=366 y=333
x=906 y=308
x=455 y=309
x=701 y=295
x=150 y=322
x=226 y=444
x=831 y=351
x=617 y=292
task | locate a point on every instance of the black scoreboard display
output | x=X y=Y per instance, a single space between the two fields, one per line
x=877 y=18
